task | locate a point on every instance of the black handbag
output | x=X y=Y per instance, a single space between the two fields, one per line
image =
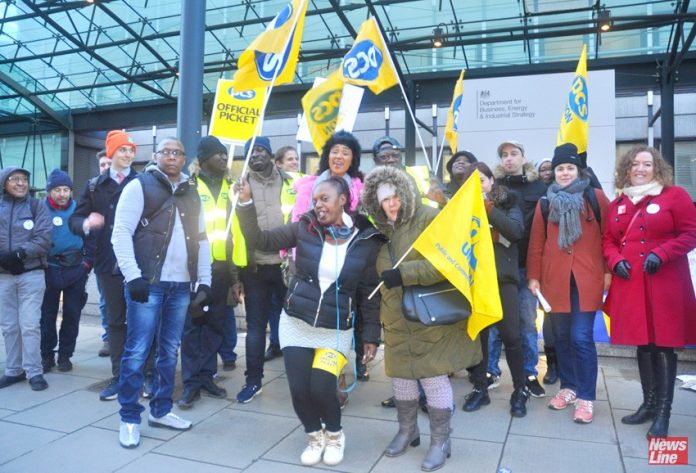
x=438 y=304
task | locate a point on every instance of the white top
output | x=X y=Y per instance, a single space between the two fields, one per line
x=331 y=262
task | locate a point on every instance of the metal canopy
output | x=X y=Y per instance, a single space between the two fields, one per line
x=58 y=57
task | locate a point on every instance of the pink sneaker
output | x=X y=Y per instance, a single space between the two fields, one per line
x=562 y=399
x=583 y=412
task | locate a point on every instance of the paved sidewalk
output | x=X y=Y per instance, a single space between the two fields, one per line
x=66 y=428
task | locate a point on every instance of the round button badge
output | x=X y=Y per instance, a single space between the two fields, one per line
x=57 y=221
x=28 y=224
x=653 y=209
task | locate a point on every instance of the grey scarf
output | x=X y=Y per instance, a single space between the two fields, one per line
x=566 y=204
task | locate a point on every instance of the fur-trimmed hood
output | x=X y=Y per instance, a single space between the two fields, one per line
x=529 y=174
x=405 y=190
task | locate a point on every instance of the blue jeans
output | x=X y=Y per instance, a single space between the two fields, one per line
x=264 y=292
x=575 y=348
x=162 y=315
x=229 y=337
x=274 y=321
x=102 y=312
x=528 y=332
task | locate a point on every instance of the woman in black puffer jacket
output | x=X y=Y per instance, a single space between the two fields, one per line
x=507 y=228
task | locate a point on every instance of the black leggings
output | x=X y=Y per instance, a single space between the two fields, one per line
x=509 y=329
x=313 y=391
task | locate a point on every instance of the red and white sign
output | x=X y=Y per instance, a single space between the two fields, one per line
x=668 y=451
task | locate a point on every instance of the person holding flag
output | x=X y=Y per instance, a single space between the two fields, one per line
x=413 y=352
x=507 y=228
x=565 y=263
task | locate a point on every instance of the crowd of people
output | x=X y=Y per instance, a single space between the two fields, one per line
x=305 y=253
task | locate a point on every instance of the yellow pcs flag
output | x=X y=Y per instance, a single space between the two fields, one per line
x=368 y=62
x=458 y=243
x=452 y=128
x=574 y=125
x=320 y=105
x=276 y=48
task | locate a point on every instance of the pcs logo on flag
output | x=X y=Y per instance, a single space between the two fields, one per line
x=577 y=99
x=325 y=109
x=267 y=63
x=363 y=61
x=241 y=95
x=455 y=112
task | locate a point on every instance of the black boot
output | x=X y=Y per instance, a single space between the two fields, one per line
x=518 y=402
x=440 y=445
x=407 y=414
x=646 y=411
x=475 y=399
x=665 y=372
x=551 y=375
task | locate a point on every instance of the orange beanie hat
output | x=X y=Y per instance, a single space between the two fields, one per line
x=115 y=139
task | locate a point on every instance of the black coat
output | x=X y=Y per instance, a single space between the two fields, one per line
x=103 y=199
x=507 y=220
x=356 y=280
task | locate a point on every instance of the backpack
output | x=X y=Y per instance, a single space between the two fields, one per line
x=588 y=194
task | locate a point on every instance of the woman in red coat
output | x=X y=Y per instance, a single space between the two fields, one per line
x=565 y=262
x=649 y=231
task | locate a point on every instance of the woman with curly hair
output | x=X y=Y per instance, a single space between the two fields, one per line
x=650 y=229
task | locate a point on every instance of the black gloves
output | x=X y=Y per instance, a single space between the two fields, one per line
x=392 y=278
x=13 y=261
x=199 y=317
x=623 y=269
x=652 y=263
x=139 y=290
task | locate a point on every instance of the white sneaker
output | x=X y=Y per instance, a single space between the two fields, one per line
x=335 y=444
x=169 y=421
x=129 y=435
x=316 y=442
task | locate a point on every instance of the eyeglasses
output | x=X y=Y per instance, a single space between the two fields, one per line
x=18 y=179
x=171 y=152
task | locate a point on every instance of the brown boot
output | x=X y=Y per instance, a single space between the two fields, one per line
x=407 y=414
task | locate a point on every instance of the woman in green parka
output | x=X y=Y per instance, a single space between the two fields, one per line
x=412 y=351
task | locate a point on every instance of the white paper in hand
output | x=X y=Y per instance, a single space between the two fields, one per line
x=542 y=300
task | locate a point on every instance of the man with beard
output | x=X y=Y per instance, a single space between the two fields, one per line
x=260 y=271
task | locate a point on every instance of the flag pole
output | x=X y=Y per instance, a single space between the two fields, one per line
x=257 y=128
x=408 y=105
x=439 y=155
x=395 y=266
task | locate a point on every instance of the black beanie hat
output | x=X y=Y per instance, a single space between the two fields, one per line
x=567 y=153
x=58 y=178
x=208 y=147
x=469 y=155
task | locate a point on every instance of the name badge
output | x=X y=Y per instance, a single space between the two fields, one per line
x=653 y=209
x=622 y=209
x=28 y=224
x=57 y=221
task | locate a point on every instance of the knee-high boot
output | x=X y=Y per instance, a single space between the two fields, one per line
x=665 y=373
x=440 y=445
x=646 y=411
x=407 y=414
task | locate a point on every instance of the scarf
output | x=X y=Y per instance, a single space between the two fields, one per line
x=55 y=205
x=636 y=193
x=565 y=204
x=324 y=176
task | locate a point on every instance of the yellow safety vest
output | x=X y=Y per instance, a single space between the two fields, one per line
x=421 y=175
x=215 y=218
x=287 y=202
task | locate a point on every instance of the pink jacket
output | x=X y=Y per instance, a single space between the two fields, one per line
x=303 y=187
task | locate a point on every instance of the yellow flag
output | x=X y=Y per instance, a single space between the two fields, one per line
x=320 y=105
x=276 y=48
x=368 y=61
x=458 y=243
x=235 y=114
x=574 y=125
x=452 y=127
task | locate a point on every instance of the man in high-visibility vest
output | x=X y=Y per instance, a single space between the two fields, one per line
x=387 y=152
x=204 y=335
x=260 y=271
